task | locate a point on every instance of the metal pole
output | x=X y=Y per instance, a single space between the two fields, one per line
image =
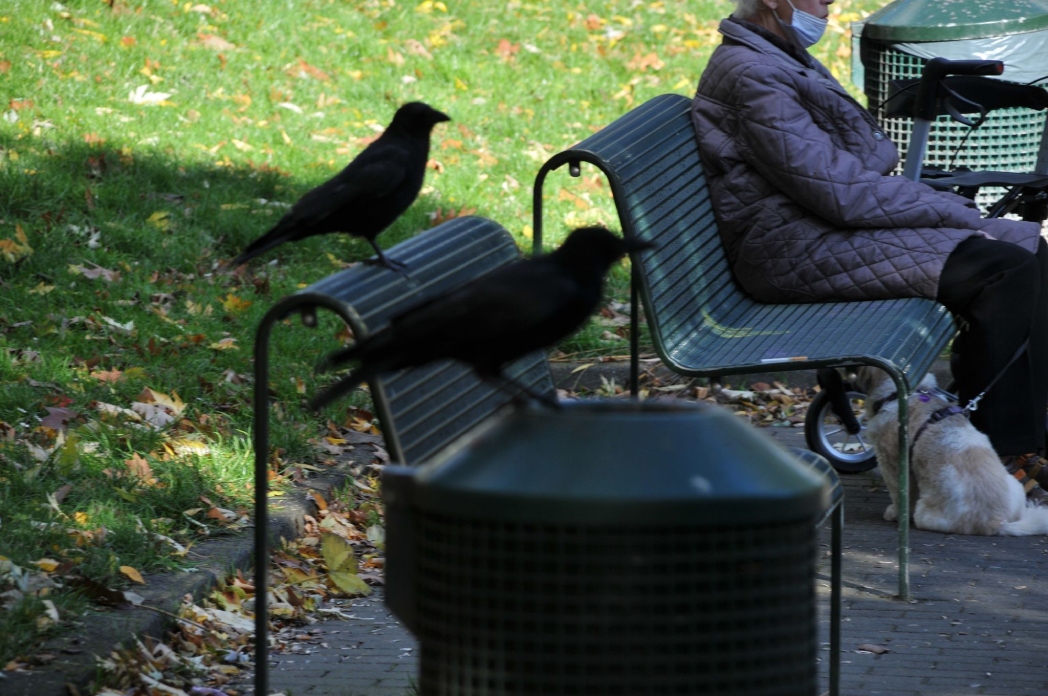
x=261 y=444
x=903 y=503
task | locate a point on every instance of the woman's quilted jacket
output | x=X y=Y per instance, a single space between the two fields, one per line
x=799 y=177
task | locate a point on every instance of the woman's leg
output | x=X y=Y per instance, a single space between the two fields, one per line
x=1000 y=292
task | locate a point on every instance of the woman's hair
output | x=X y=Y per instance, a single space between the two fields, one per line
x=746 y=8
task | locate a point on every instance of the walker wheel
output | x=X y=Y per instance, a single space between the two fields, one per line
x=848 y=453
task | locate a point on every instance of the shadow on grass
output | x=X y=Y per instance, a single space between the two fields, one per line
x=157 y=208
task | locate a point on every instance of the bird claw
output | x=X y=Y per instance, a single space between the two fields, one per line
x=391 y=264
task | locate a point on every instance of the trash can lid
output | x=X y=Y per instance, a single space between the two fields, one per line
x=950 y=20
x=621 y=462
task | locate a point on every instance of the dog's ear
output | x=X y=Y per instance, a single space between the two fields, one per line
x=866 y=378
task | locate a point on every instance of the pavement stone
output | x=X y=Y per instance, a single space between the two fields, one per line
x=978 y=623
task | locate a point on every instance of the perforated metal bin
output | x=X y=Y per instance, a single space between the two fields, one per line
x=608 y=548
x=897 y=41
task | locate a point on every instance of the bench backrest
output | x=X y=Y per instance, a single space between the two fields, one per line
x=700 y=319
x=422 y=410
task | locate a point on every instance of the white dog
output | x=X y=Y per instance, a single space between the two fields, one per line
x=957 y=482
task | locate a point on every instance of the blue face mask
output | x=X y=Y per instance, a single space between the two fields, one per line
x=806 y=28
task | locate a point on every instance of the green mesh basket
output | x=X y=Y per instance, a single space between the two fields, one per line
x=1007 y=141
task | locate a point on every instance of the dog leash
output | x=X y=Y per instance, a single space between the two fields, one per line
x=953 y=409
x=973 y=404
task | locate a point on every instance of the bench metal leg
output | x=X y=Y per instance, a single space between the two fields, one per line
x=835 y=599
x=634 y=331
x=903 y=503
x=260 y=438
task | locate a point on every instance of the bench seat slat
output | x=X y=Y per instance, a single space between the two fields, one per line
x=701 y=321
x=422 y=410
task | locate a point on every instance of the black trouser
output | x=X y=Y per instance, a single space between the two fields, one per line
x=999 y=292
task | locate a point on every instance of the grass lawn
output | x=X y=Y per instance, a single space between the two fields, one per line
x=144 y=142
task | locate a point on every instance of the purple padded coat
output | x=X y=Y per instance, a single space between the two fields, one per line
x=799 y=177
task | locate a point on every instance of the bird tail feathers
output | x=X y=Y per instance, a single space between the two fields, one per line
x=341 y=387
x=275 y=237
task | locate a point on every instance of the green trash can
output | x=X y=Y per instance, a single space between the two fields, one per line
x=896 y=41
x=608 y=548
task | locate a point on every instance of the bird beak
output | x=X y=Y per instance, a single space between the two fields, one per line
x=440 y=117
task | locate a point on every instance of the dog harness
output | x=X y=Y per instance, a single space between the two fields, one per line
x=925 y=395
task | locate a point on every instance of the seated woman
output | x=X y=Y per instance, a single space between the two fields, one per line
x=800 y=179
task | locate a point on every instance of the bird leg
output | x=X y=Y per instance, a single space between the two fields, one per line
x=384 y=260
x=518 y=390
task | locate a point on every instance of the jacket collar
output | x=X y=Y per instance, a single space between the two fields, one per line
x=761 y=40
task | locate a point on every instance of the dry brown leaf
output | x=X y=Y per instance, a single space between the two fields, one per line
x=215 y=43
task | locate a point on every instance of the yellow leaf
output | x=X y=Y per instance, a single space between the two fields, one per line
x=459 y=84
x=338 y=554
x=228 y=343
x=173 y=403
x=46 y=564
x=93 y=34
x=234 y=304
x=41 y=289
x=295 y=575
x=160 y=220
x=132 y=574
x=80 y=518
x=350 y=583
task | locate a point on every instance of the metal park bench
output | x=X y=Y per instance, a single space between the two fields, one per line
x=702 y=323
x=421 y=410
x=425 y=409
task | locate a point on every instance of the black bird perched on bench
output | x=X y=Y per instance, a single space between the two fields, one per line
x=518 y=308
x=369 y=194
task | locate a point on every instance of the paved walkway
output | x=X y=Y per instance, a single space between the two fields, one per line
x=978 y=623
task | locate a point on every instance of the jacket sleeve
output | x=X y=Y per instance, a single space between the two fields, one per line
x=778 y=136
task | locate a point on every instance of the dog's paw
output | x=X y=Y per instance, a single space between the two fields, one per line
x=890 y=515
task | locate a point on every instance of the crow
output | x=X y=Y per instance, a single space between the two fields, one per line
x=501 y=316
x=369 y=194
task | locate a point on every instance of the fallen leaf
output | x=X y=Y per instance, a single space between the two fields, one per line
x=233 y=304
x=350 y=583
x=303 y=69
x=132 y=574
x=160 y=220
x=173 y=403
x=143 y=97
x=58 y=418
x=641 y=63
x=95 y=273
x=506 y=50
x=46 y=564
x=215 y=43
x=107 y=375
x=129 y=327
x=140 y=468
x=871 y=648
x=338 y=553
x=228 y=343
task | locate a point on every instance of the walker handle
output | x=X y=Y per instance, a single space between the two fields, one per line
x=938 y=68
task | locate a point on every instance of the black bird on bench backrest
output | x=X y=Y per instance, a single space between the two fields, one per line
x=518 y=308
x=369 y=194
